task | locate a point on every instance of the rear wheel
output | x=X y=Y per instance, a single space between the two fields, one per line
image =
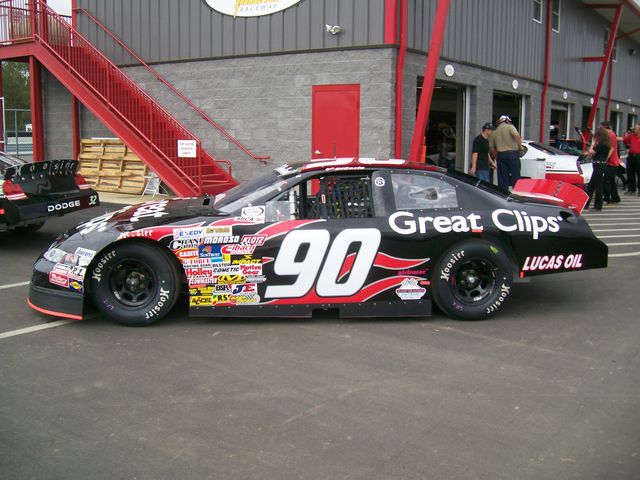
x=135 y=284
x=472 y=280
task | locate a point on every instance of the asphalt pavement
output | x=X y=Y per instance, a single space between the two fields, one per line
x=547 y=389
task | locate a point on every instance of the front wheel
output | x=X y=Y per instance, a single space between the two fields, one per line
x=472 y=280
x=135 y=284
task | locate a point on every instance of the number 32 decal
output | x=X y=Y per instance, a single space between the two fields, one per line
x=314 y=266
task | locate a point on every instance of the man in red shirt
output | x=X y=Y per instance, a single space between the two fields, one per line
x=613 y=163
x=632 y=140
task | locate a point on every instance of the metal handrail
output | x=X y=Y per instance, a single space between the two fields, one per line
x=172 y=88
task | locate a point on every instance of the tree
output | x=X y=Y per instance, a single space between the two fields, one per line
x=15 y=86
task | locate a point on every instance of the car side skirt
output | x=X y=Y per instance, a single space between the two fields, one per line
x=414 y=308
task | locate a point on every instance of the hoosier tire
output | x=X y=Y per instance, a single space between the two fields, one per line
x=472 y=280
x=134 y=283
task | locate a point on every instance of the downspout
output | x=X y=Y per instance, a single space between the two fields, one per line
x=609 y=82
x=547 y=68
x=431 y=68
x=75 y=107
x=400 y=76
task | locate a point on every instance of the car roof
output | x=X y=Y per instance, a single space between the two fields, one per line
x=360 y=163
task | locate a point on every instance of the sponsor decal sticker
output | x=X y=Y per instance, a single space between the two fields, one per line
x=251 y=214
x=58 y=279
x=184 y=233
x=245 y=288
x=85 y=253
x=196 y=262
x=238 y=249
x=231 y=279
x=200 y=301
x=257 y=240
x=62 y=206
x=184 y=244
x=75 y=285
x=251 y=269
x=246 y=260
x=244 y=298
x=552 y=262
x=379 y=182
x=410 y=290
x=221 y=239
x=186 y=253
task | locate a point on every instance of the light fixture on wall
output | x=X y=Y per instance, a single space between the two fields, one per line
x=333 y=29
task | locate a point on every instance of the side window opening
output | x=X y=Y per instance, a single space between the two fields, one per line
x=327 y=197
x=414 y=191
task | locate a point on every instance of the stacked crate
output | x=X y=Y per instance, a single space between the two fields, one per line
x=110 y=166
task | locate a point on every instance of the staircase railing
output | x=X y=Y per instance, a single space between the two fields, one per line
x=177 y=92
x=23 y=20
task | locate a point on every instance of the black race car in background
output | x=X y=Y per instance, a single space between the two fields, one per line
x=31 y=193
x=366 y=237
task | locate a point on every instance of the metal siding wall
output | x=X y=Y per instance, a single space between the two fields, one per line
x=168 y=30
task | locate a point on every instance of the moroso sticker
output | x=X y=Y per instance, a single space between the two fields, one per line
x=58 y=279
x=410 y=290
x=246 y=288
x=221 y=239
x=246 y=260
x=553 y=262
x=238 y=249
x=231 y=279
x=250 y=8
x=257 y=240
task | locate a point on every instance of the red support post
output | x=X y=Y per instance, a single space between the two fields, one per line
x=36 y=109
x=1 y=112
x=400 y=77
x=612 y=37
x=442 y=10
x=391 y=21
x=547 y=68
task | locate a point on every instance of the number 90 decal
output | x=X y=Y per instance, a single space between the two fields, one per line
x=314 y=266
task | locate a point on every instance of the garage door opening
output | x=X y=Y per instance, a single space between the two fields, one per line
x=560 y=118
x=445 y=132
x=510 y=105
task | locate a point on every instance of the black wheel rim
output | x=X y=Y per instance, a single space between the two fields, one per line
x=473 y=281
x=132 y=283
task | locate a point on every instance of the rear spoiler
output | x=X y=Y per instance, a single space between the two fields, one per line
x=31 y=171
x=553 y=191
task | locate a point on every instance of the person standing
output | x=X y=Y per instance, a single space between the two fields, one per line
x=506 y=144
x=600 y=151
x=632 y=141
x=481 y=161
x=613 y=164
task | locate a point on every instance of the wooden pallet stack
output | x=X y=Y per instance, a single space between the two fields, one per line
x=110 y=166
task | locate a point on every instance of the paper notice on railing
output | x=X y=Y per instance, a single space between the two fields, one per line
x=187 y=149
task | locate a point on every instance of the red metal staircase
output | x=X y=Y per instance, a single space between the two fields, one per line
x=31 y=28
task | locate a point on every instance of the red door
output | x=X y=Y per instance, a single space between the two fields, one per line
x=336 y=121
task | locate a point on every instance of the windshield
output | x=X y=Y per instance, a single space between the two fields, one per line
x=548 y=149
x=247 y=193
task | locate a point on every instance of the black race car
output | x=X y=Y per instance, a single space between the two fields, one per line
x=30 y=193
x=365 y=237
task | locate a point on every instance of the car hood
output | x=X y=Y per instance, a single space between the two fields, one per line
x=154 y=220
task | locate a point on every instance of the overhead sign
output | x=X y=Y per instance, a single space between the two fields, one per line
x=250 y=8
x=187 y=149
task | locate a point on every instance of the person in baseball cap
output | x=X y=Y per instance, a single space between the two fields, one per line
x=481 y=159
x=506 y=144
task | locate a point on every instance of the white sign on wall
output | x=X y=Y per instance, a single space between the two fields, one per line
x=187 y=149
x=250 y=8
